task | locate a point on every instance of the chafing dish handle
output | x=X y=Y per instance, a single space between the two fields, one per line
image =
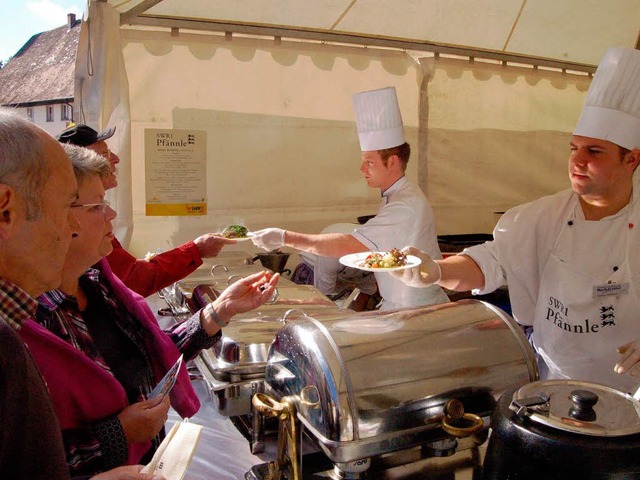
x=459 y=424
x=212 y=272
x=285 y=318
x=267 y=405
x=288 y=447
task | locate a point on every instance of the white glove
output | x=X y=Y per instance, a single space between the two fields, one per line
x=268 y=238
x=629 y=360
x=422 y=276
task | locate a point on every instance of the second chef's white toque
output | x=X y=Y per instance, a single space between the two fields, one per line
x=378 y=119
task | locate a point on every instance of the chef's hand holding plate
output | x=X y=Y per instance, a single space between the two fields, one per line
x=421 y=276
x=268 y=238
x=629 y=361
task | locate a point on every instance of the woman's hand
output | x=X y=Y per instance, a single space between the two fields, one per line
x=241 y=296
x=143 y=420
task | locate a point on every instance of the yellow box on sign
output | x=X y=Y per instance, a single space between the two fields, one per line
x=175 y=209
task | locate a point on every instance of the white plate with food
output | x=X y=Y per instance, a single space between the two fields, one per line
x=246 y=237
x=237 y=232
x=390 y=261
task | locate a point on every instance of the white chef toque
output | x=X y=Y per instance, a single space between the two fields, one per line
x=612 y=107
x=378 y=119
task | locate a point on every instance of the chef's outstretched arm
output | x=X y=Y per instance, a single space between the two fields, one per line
x=326 y=244
x=459 y=272
x=629 y=361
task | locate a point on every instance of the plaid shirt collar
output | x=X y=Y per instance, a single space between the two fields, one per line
x=52 y=299
x=16 y=305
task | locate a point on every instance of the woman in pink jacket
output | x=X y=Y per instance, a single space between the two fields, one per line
x=101 y=350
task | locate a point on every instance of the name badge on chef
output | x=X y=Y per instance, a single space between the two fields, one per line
x=610 y=289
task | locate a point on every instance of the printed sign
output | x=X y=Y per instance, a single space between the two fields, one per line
x=175 y=172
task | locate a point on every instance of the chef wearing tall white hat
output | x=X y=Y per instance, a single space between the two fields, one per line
x=570 y=260
x=404 y=216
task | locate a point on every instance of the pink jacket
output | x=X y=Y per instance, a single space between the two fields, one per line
x=82 y=392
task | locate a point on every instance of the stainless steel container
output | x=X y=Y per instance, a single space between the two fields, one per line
x=243 y=348
x=229 y=258
x=234 y=368
x=218 y=276
x=376 y=383
x=238 y=360
x=204 y=286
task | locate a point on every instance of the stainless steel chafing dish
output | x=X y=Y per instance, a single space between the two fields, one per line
x=243 y=348
x=208 y=281
x=229 y=258
x=218 y=277
x=234 y=367
x=366 y=386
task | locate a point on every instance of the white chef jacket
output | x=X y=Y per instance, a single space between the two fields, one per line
x=526 y=243
x=404 y=218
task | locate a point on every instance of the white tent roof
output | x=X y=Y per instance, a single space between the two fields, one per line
x=269 y=84
x=567 y=31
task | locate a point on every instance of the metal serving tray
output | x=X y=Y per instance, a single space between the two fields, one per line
x=378 y=382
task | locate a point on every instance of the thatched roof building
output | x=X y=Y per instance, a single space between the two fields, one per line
x=42 y=71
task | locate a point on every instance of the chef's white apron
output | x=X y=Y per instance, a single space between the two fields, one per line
x=588 y=304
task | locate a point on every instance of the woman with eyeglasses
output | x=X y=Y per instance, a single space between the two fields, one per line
x=101 y=350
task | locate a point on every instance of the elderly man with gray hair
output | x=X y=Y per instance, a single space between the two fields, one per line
x=37 y=188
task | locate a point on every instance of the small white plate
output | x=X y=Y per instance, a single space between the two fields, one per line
x=355 y=260
x=248 y=237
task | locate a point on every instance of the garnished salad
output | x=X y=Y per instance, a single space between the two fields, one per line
x=235 y=231
x=393 y=258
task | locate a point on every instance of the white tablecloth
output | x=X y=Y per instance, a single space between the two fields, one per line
x=222 y=453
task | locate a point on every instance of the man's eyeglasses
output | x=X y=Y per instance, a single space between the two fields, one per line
x=93 y=207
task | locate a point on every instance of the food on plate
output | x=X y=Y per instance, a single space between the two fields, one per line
x=235 y=231
x=392 y=259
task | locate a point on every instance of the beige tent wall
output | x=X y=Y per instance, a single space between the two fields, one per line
x=282 y=144
x=498 y=136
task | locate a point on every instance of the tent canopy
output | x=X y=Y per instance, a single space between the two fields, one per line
x=489 y=90
x=574 y=33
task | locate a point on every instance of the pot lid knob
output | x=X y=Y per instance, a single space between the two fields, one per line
x=572 y=407
x=582 y=408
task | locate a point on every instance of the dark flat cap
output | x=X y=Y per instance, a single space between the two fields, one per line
x=83 y=135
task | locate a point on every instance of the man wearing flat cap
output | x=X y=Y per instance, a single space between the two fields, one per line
x=144 y=276
x=405 y=217
x=570 y=260
x=85 y=136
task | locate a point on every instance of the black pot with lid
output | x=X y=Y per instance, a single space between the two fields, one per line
x=274 y=260
x=564 y=429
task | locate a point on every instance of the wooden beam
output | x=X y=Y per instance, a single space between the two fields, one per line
x=137 y=10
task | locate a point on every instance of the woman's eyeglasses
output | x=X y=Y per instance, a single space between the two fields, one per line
x=93 y=207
